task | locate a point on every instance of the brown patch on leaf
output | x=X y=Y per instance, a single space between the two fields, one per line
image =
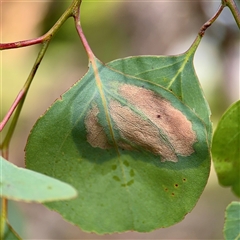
x=124 y=146
x=161 y=128
x=96 y=135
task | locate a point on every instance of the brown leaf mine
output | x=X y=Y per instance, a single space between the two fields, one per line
x=96 y=135
x=158 y=128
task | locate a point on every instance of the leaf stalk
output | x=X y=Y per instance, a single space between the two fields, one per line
x=233 y=8
x=78 y=26
x=204 y=27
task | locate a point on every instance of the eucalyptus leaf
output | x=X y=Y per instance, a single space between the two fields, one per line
x=21 y=184
x=232 y=222
x=226 y=148
x=137 y=155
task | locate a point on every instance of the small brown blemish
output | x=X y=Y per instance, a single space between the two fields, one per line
x=124 y=146
x=96 y=135
x=168 y=135
x=166 y=189
x=176 y=185
x=184 y=179
x=173 y=194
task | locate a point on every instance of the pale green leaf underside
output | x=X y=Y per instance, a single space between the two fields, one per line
x=226 y=148
x=232 y=222
x=25 y=185
x=124 y=183
x=10 y=234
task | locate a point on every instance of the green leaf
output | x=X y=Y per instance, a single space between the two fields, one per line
x=232 y=222
x=138 y=156
x=175 y=73
x=15 y=217
x=25 y=185
x=226 y=148
x=10 y=233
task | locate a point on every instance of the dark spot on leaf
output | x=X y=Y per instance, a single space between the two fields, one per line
x=176 y=185
x=114 y=167
x=126 y=163
x=166 y=189
x=184 y=179
x=128 y=183
x=116 y=178
x=173 y=194
x=132 y=173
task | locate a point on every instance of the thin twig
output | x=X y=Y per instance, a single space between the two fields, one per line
x=45 y=39
x=204 y=27
x=19 y=101
x=22 y=96
x=211 y=20
x=11 y=110
x=81 y=34
x=24 y=43
x=47 y=36
x=235 y=11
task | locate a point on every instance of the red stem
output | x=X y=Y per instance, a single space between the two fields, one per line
x=211 y=21
x=24 y=43
x=11 y=110
x=89 y=51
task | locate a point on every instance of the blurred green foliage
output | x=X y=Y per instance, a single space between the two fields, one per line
x=99 y=20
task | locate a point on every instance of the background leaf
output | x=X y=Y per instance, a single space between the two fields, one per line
x=232 y=221
x=226 y=148
x=175 y=73
x=25 y=185
x=122 y=183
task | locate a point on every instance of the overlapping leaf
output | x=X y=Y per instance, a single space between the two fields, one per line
x=136 y=153
x=232 y=221
x=226 y=148
x=24 y=185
